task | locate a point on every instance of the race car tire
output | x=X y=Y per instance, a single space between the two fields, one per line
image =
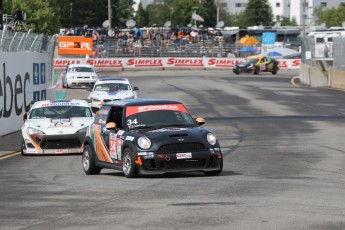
x=88 y=162
x=256 y=70
x=216 y=172
x=275 y=70
x=128 y=164
x=63 y=84
x=22 y=147
x=236 y=72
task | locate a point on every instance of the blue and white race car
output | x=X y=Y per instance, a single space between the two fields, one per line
x=110 y=89
x=56 y=127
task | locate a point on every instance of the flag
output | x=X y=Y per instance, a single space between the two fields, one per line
x=197 y=17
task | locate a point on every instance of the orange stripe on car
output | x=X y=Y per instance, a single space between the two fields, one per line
x=34 y=143
x=101 y=149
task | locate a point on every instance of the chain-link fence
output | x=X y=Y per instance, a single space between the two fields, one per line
x=15 y=41
x=339 y=53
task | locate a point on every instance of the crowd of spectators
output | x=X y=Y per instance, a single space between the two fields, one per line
x=134 y=39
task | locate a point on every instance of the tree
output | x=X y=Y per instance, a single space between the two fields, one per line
x=158 y=14
x=257 y=12
x=285 y=21
x=224 y=15
x=142 y=16
x=41 y=16
x=208 y=11
x=331 y=16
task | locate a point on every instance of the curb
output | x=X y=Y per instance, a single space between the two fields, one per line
x=294 y=80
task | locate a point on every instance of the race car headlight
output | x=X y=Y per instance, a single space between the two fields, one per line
x=32 y=131
x=144 y=142
x=71 y=77
x=95 y=100
x=129 y=97
x=94 y=77
x=211 y=138
x=83 y=130
x=250 y=66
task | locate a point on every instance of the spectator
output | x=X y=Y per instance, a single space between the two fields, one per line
x=231 y=54
x=194 y=36
x=18 y=15
x=137 y=34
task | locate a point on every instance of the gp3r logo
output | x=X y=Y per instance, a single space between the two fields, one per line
x=39 y=78
x=74 y=45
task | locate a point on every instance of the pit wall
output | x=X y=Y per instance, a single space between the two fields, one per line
x=313 y=76
x=123 y=64
x=337 y=79
x=24 y=79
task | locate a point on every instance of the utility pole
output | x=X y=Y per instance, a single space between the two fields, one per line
x=1 y=21
x=109 y=13
x=303 y=16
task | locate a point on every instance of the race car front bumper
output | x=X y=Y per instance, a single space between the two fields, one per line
x=156 y=163
x=54 y=144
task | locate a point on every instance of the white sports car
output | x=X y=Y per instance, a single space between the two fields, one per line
x=56 y=127
x=79 y=75
x=109 y=89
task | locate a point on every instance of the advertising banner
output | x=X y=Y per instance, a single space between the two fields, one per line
x=74 y=45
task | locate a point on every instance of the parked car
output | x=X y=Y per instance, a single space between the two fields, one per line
x=109 y=89
x=257 y=64
x=150 y=136
x=56 y=127
x=79 y=75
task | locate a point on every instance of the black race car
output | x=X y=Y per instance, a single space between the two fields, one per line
x=150 y=136
x=257 y=64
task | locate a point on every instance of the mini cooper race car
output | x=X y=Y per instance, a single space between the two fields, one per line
x=79 y=75
x=150 y=136
x=109 y=89
x=257 y=64
x=56 y=127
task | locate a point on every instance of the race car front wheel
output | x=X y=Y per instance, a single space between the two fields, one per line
x=23 y=146
x=275 y=70
x=216 y=172
x=88 y=161
x=128 y=164
x=256 y=70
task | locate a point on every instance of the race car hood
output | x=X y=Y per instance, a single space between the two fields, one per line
x=170 y=135
x=81 y=74
x=112 y=95
x=61 y=126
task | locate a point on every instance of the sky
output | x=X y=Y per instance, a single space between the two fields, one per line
x=136 y=4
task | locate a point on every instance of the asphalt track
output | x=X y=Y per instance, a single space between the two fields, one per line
x=284 y=163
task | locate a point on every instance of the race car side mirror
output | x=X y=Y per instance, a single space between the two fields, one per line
x=110 y=126
x=25 y=116
x=200 y=121
x=135 y=88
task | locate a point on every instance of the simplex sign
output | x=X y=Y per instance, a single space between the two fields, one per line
x=162 y=63
x=20 y=85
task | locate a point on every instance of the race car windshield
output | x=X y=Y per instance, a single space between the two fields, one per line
x=251 y=61
x=160 y=118
x=60 y=112
x=82 y=69
x=111 y=87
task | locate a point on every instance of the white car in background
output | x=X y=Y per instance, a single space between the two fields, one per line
x=79 y=75
x=110 y=89
x=56 y=127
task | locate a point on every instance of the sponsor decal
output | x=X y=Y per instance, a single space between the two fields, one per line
x=74 y=45
x=185 y=62
x=129 y=138
x=214 y=62
x=130 y=110
x=111 y=63
x=62 y=63
x=144 y=62
x=61 y=104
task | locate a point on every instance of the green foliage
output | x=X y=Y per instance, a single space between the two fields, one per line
x=208 y=11
x=285 y=21
x=331 y=16
x=257 y=12
x=158 y=14
x=142 y=18
x=42 y=16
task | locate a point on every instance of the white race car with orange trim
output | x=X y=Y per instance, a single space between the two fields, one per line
x=56 y=127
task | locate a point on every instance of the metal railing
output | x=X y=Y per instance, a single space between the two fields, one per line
x=16 y=41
